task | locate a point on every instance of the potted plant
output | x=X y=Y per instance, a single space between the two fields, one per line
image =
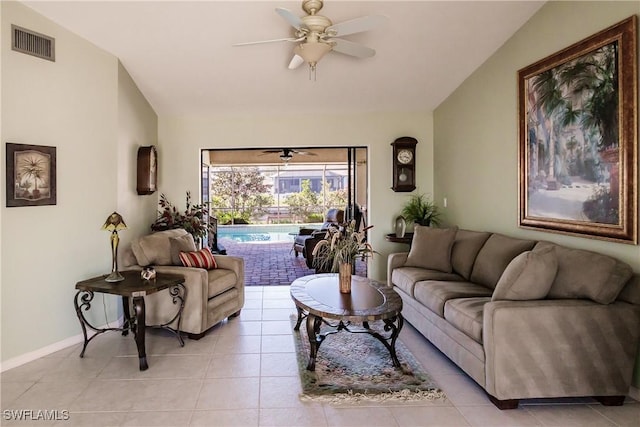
x=338 y=251
x=421 y=210
x=192 y=220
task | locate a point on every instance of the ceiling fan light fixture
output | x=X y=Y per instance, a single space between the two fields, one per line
x=285 y=157
x=312 y=52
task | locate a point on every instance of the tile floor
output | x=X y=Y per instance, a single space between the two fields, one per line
x=244 y=373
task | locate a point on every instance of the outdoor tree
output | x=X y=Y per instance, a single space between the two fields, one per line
x=305 y=203
x=239 y=193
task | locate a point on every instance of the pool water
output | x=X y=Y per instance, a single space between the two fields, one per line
x=261 y=233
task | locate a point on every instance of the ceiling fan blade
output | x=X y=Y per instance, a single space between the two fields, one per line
x=350 y=48
x=287 y=39
x=292 y=19
x=304 y=153
x=296 y=61
x=357 y=25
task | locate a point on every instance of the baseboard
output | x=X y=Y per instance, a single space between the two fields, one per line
x=45 y=351
x=634 y=393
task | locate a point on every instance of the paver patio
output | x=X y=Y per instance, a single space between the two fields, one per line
x=272 y=263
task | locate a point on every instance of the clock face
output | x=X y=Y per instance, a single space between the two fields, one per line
x=405 y=156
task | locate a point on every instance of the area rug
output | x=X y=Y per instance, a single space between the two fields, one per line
x=351 y=368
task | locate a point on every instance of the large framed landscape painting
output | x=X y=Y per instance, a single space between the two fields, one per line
x=578 y=125
x=31 y=175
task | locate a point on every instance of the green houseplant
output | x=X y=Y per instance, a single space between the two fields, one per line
x=421 y=210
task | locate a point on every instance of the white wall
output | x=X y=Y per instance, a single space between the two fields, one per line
x=182 y=138
x=72 y=104
x=476 y=128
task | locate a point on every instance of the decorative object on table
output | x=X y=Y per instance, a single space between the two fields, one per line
x=147 y=170
x=338 y=251
x=578 y=113
x=194 y=218
x=355 y=368
x=31 y=175
x=148 y=273
x=421 y=210
x=404 y=164
x=114 y=223
x=401 y=226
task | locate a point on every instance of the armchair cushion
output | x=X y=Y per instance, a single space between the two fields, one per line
x=431 y=248
x=200 y=259
x=181 y=244
x=155 y=248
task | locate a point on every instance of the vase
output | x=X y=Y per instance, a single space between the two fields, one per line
x=344 y=278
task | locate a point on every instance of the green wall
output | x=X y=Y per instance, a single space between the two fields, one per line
x=476 y=128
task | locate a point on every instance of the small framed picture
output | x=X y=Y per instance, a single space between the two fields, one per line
x=31 y=175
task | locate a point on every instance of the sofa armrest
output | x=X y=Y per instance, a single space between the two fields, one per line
x=550 y=348
x=234 y=263
x=394 y=261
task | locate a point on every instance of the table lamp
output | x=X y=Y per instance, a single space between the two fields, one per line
x=114 y=223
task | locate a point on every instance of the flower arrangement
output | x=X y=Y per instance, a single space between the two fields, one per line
x=192 y=220
x=341 y=245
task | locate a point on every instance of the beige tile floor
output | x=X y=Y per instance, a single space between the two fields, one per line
x=244 y=373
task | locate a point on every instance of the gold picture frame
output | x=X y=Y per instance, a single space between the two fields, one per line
x=31 y=175
x=578 y=138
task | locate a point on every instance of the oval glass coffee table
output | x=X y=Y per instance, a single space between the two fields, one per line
x=318 y=299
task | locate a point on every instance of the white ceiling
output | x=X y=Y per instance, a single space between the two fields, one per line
x=180 y=52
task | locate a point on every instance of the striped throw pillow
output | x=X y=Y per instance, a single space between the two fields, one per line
x=201 y=259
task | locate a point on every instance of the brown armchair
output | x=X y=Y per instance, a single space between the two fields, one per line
x=333 y=216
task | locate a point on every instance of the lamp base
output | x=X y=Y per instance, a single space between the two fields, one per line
x=114 y=277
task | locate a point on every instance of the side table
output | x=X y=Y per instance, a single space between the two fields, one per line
x=134 y=287
x=406 y=239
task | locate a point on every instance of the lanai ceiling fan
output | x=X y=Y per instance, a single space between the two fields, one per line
x=286 y=154
x=316 y=35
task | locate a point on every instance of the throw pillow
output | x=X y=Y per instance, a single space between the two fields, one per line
x=431 y=248
x=528 y=276
x=200 y=259
x=181 y=244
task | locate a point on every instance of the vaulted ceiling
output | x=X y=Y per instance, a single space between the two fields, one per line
x=180 y=53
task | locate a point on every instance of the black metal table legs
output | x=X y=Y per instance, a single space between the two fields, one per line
x=135 y=323
x=392 y=325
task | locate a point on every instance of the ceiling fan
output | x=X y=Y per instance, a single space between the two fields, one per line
x=316 y=35
x=286 y=154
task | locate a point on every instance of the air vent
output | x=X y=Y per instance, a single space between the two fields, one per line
x=32 y=43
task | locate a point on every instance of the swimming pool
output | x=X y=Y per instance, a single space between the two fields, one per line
x=261 y=232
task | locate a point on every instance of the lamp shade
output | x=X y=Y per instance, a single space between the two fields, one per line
x=312 y=52
x=114 y=222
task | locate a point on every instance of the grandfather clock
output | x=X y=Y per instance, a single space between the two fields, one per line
x=404 y=164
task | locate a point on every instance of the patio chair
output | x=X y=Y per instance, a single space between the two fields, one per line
x=333 y=216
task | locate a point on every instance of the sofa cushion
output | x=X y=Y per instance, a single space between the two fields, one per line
x=586 y=274
x=220 y=280
x=466 y=315
x=199 y=259
x=155 y=249
x=494 y=257
x=179 y=244
x=528 y=276
x=434 y=294
x=465 y=249
x=406 y=277
x=431 y=248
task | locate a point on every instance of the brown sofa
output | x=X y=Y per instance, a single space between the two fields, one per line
x=524 y=319
x=212 y=295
